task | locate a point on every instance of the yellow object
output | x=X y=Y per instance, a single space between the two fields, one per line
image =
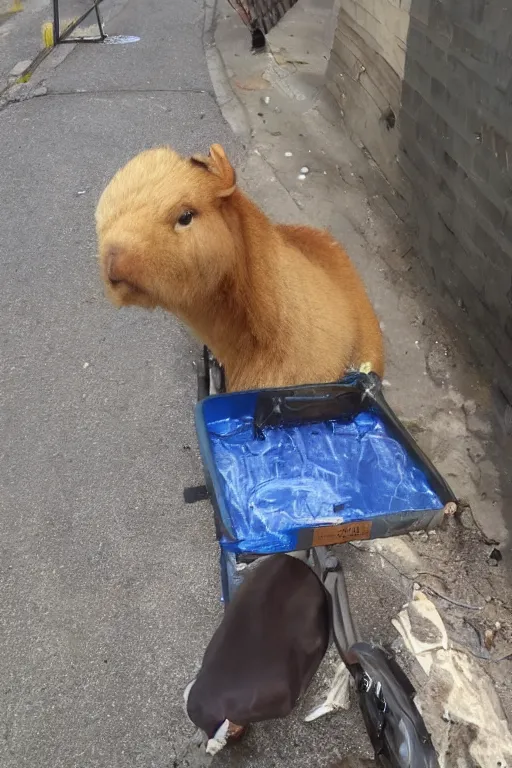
x=17 y=6
x=365 y=368
x=47 y=33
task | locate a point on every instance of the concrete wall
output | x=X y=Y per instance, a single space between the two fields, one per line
x=443 y=68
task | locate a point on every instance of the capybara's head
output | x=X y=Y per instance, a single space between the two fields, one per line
x=163 y=230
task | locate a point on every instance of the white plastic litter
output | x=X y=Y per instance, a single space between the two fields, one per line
x=421 y=606
x=460 y=706
x=338 y=696
x=219 y=740
x=121 y=39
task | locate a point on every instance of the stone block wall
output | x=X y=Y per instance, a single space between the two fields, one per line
x=365 y=73
x=443 y=68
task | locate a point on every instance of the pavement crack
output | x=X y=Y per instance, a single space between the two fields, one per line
x=110 y=91
x=28 y=94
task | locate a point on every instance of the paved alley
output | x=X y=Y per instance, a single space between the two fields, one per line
x=108 y=582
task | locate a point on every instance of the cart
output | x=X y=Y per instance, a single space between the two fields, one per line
x=308 y=468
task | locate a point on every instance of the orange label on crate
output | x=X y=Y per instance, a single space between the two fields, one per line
x=340 y=534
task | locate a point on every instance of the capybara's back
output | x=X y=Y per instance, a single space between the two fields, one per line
x=278 y=305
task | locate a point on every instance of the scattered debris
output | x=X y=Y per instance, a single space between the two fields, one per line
x=120 y=39
x=282 y=60
x=304 y=169
x=288 y=154
x=458 y=701
x=495 y=557
x=438 y=361
x=489 y=636
x=301 y=176
x=20 y=68
x=336 y=683
x=255 y=83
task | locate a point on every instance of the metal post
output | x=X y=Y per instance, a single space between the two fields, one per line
x=64 y=36
x=56 y=22
x=98 y=19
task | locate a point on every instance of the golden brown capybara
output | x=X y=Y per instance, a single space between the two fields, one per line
x=278 y=305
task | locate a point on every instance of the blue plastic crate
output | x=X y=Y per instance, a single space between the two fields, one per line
x=292 y=468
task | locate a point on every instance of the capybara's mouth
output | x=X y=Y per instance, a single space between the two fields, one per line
x=115 y=285
x=123 y=293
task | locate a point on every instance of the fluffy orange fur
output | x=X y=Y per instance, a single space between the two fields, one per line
x=277 y=305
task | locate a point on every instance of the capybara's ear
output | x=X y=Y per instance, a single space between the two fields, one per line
x=218 y=163
x=224 y=169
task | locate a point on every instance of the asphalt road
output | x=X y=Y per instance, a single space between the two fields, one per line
x=109 y=585
x=21 y=32
x=108 y=581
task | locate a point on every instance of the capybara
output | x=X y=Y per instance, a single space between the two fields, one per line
x=278 y=305
x=263 y=655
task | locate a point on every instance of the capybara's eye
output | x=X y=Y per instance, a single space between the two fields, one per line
x=185 y=218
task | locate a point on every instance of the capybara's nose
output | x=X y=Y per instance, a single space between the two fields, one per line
x=112 y=256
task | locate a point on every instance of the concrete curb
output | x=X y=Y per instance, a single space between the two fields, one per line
x=233 y=111
x=257 y=169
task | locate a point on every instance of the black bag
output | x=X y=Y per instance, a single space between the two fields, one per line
x=266 y=650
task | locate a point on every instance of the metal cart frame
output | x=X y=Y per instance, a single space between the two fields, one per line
x=385 y=694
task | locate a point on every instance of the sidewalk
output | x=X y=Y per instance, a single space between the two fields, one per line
x=315 y=173
x=21 y=23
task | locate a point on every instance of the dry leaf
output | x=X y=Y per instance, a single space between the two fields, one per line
x=255 y=83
